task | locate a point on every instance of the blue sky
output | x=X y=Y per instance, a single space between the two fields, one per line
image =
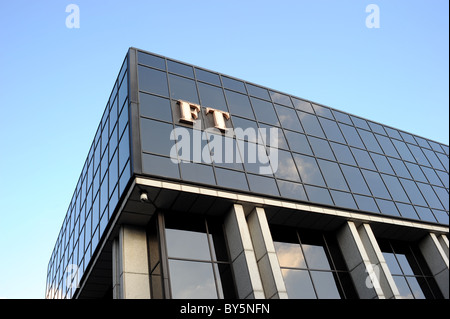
x=55 y=81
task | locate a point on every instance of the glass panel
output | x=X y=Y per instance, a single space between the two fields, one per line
x=286 y=167
x=151 y=60
x=382 y=163
x=425 y=214
x=355 y=180
x=180 y=243
x=180 y=68
x=310 y=124
x=444 y=177
x=314 y=250
x=376 y=184
x=254 y=156
x=343 y=199
x=399 y=168
x=418 y=155
x=289 y=255
x=197 y=173
x=377 y=128
x=258 y=92
x=415 y=287
x=403 y=150
x=206 y=76
x=156 y=137
x=192 y=280
x=430 y=196
x=224 y=151
x=157 y=165
x=441 y=216
x=342 y=153
x=444 y=160
x=392 y=263
x=370 y=141
x=264 y=111
x=395 y=188
x=362 y=158
x=408 y=138
x=233 y=84
x=182 y=88
x=403 y=288
x=298 y=142
x=387 y=207
x=360 y=122
x=407 y=211
x=342 y=117
x=422 y=142
x=263 y=185
x=323 y=111
x=387 y=146
x=302 y=105
x=318 y=195
x=231 y=179
x=298 y=284
x=351 y=135
x=239 y=104
x=291 y=190
x=442 y=195
x=392 y=133
x=280 y=99
x=288 y=118
x=332 y=130
x=413 y=192
x=416 y=172
x=366 y=203
x=321 y=148
x=212 y=96
x=404 y=264
x=309 y=170
x=244 y=124
x=272 y=136
x=431 y=176
x=155 y=107
x=325 y=285
x=152 y=81
x=432 y=158
x=333 y=175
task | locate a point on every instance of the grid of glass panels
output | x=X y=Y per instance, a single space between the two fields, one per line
x=324 y=155
x=312 y=265
x=105 y=174
x=411 y=274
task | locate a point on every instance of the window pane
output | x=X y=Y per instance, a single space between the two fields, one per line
x=392 y=133
x=351 y=135
x=395 y=188
x=333 y=175
x=192 y=280
x=258 y=92
x=180 y=243
x=366 y=203
x=180 y=68
x=343 y=199
x=403 y=288
x=442 y=195
x=413 y=192
x=370 y=141
x=403 y=150
x=250 y=134
x=342 y=117
x=392 y=263
x=376 y=185
x=155 y=107
x=415 y=287
x=231 y=179
x=342 y=153
x=310 y=124
x=298 y=284
x=323 y=111
x=332 y=130
x=416 y=172
x=254 y=156
x=272 y=136
x=432 y=158
x=399 y=167
x=264 y=111
x=288 y=118
x=291 y=190
x=418 y=155
x=430 y=196
x=289 y=255
x=280 y=99
x=233 y=84
x=197 y=173
x=387 y=207
x=382 y=163
x=206 y=76
x=318 y=195
x=309 y=170
x=377 y=128
x=362 y=158
x=152 y=81
x=315 y=256
x=355 y=180
x=407 y=211
x=158 y=165
x=321 y=148
x=212 y=96
x=263 y=185
x=298 y=142
x=239 y=104
x=302 y=105
x=156 y=137
x=387 y=146
x=431 y=176
x=360 y=122
x=182 y=88
x=151 y=60
x=286 y=167
x=325 y=285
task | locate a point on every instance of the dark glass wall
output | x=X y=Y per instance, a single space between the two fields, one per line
x=323 y=156
x=105 y=174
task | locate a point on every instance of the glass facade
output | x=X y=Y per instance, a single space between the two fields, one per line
x=323 y=155
x=103 y=179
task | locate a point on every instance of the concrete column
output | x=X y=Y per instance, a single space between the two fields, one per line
x=242 y=255
x=435 y=251
x=266 y=257
x=130 y=264
x=367 y=266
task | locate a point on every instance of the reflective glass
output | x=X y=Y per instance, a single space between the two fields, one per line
x=403 y=150
x=392 y=133
x=403 y=288
x=152 y=81
x=212 y=96
x=407 y=211
x=342 y=153
x=377 y=128
x=183 y=89
x=360 y=122
x=413 y=192
x=441 y=216
x=180 y=68
x=408 y=138
x=289 y=255
x=342 y=117
x=422 y=142
x=323 y=111
x=382 y=163
x=254 y=156
x=155 y=107
x=192 y=280
x=331 y=130
x=425 y=214
x=156 y=137
x=444 y=160
x=197 y=173
x=262 y=185
x=376 y=184
x=432 y=158
x=392 y=263
x=418 y=155
x=370 y=141
x=249 y=129
x=180 y=243
x=224 y=151
x=355 y=180
x=366 y=203
x=318 y=195
x=351 y=135
x=233 y=84
x=291 y=190
x=206 y=76
x=288 y=118
x=272 y=136
x=333 y=175
x=239 y=104
x=310 y=124
x=399 y=167
x=362 y=158
x=298 y=284
x=431 y=176
x=395 y=188
x=309 y=170
x=321 y=148
x=264 y=111
x=258 y=92
x=158 y=165
x=231 y=179
x=286 y=167
x=281 y=99
x=302 y=105
x=298 y=142
x=444 y=177
x=343 y=199
x=430 y=196
x=415 y=287
x=442 y=195
x=387 y=146
x=325 y=285
x=151 y=60
x=387 y=207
